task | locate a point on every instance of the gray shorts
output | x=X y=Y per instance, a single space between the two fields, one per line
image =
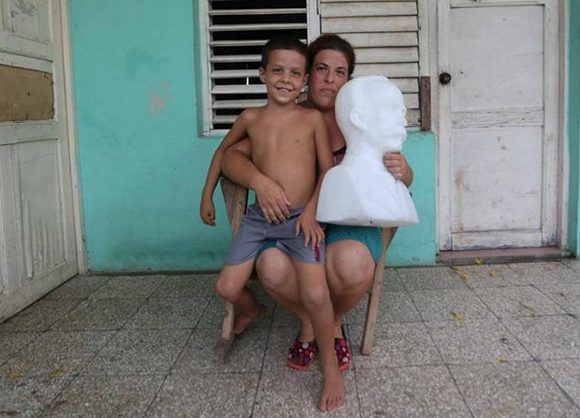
x=255 y=231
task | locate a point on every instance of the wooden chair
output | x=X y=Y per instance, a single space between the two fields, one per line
x=236 y=199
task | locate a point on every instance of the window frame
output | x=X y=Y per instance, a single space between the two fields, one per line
x=205 y=108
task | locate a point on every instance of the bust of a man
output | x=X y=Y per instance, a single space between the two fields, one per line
x=360 y=191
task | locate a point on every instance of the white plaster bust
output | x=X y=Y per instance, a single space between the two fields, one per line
x=360 y=191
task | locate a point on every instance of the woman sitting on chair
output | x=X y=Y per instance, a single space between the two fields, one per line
x=351 y=251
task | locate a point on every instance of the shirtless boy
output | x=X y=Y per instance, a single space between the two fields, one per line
x=290 y=146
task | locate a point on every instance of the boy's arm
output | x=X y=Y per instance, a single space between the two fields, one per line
x=238 y=167
x=235 y=134
x=313 y=233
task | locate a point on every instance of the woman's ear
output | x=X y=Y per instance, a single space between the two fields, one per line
x=357 y=119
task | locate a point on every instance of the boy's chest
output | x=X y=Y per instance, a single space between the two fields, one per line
x=283 y=138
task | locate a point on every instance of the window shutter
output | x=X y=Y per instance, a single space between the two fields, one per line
x=237 y=32
x=385 y=37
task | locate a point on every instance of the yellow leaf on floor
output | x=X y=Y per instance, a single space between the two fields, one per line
x=14 y=375
x=465 y=276
x=492 y=273
x=456 y=269
x=477 y=261
x=501 y=358
x=56 y=372
x=458 y=316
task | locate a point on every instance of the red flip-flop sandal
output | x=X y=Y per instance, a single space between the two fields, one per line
x=301 y=354
x=343 y=354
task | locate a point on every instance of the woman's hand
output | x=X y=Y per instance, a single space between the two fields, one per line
x=398 y=166
x=272 y=200
x=207 y=210
x=313 y=232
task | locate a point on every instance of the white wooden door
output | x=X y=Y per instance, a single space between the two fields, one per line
x=498 y=137
x=37 y=236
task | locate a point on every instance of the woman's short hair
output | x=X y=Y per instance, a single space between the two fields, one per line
x=336 y=43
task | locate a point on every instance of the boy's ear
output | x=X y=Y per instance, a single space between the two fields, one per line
x=262 y=74
x=357 y=119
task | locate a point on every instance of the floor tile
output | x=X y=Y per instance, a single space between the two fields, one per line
x=511 y=390
x=99 y=314
x=393 y=307
x=395 y=345
x=79 y=287
x=476 y=340
x=57 y=352
x=566 y=373
x=106 y=396
x=39 y=316
x=409 y=392
x=167 y=313
x=490 y=275
x=279 y=342
x=547 y=337
x=194 y=286
x=140 y=352
x=284 y=319
x=392 y=281
x=29 y=395
x=206 y=395
x=449 y=305
x=245 y=355
x=12 y=342
x=517 y=301
x=291 y=393
x=428 y=278
x=129 y=287
x=569 y=302
x=213 y=315
x=544 y=272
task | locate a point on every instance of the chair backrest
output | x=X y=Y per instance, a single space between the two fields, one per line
x=236 y=199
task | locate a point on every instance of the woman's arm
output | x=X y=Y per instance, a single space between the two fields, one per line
x=237 y=166
x=398 y=166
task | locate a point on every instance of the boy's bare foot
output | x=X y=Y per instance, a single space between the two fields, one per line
x=332 y=391
x=244 y=321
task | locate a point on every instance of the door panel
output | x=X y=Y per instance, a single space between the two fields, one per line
x=37 y=236
x=498 y=119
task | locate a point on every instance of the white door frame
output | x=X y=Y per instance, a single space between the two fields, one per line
x=72 y=132
x=439 y=62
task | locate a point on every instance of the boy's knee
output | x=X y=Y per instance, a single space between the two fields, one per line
x=227 y=289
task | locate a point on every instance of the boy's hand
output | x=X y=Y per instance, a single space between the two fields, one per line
x=313 y=233
x=272 y=200
x=207 y=211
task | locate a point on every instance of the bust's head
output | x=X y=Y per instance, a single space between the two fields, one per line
x=371 y=109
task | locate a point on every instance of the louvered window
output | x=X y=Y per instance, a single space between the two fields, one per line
x=236 y=32
x=385 y=36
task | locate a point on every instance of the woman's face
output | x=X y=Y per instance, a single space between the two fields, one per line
x=328 y=74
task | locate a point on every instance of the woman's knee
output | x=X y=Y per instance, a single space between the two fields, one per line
x=350 y=265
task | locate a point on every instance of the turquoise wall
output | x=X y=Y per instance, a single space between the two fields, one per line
x=574 y=123
x=141 y=156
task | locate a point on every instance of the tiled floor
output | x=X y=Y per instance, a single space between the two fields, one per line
x=483 y=341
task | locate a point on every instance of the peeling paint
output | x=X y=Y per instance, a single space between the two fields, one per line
x=158 y=100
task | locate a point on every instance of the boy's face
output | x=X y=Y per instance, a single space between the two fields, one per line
x=284 y=76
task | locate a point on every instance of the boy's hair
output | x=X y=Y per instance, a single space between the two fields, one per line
x=335 y=43
x=289 y=43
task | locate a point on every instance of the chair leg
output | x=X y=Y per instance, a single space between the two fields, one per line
x=227 y=336
x=373 y=308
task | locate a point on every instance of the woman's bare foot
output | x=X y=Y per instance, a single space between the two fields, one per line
x=332 y=390
x=244 y=321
